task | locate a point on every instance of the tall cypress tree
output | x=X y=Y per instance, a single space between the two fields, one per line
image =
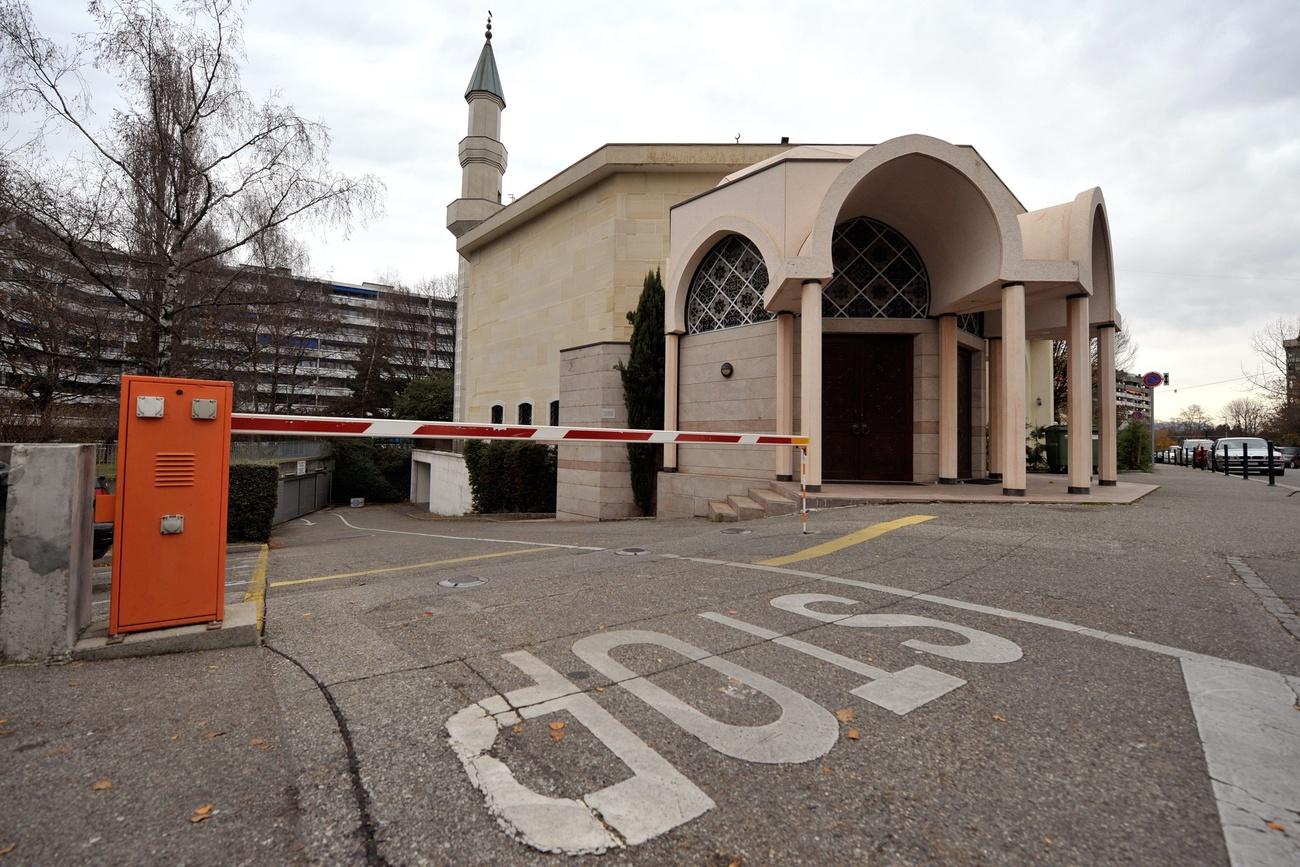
x=643 y=387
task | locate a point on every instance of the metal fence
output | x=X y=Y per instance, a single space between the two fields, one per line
x=242 y=450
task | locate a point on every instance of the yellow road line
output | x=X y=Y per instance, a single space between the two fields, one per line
x=855 y=538
x=257 y=586
x=408 y=567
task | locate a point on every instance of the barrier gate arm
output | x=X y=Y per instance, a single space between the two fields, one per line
x=293 y=425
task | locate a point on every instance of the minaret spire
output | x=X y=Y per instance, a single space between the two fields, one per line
x=482 y=156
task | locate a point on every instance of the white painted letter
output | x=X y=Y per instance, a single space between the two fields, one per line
x=804 y=731
x=657 y=798
x=979 y=646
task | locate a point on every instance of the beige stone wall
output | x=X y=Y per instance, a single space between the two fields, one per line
x=593 y=482
x=566 y=278
x=745 y=402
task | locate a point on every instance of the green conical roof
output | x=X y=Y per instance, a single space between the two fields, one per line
x=486 y=79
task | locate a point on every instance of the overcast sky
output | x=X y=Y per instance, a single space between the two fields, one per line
x=1187 y=115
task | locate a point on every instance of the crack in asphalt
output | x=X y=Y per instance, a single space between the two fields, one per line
x=359 y=793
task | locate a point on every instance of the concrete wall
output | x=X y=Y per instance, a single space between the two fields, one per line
x=594 y=482
x=441 y=480
x=46 y=564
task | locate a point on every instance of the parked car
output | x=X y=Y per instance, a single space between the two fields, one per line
x=1290 y=456
x=1256 y=455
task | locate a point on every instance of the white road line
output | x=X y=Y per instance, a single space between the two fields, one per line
x=228 y=584
x=1245 y=717
x=469 y=538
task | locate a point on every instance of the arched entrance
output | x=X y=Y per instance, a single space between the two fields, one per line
x=867 y=398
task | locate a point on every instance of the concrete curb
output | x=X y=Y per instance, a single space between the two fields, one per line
x=239 y=629
x=1271 y=601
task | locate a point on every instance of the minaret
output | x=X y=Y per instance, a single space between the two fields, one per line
x=482 y=156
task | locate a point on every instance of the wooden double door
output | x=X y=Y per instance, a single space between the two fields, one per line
x=867 y=409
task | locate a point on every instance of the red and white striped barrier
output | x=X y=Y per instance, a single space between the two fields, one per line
x=321 y=426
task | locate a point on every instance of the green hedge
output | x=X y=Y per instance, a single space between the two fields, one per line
x=364 y=468
x=1133 y=448
x=511 y=476
x=253 y=492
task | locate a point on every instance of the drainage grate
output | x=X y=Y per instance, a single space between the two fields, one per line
x=736 y=531
x=631 y=552
x=462 y=581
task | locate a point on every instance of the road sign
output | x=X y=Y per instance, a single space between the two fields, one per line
x=1152 y=379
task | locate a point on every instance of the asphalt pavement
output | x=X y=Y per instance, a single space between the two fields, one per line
x=912 y=684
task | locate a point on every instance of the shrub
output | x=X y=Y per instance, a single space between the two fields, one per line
x=1133 y=448
x=364 y=468
x=643 y=388
x=254 y=489
x=428 y=398
x=511 y=476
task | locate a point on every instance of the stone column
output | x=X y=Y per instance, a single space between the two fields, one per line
x=784 y=391
x=810 y=378
x=1079 y=387
x=1013 y=389
x=1107 y=465
x=672 y=343
x=995 y=408
x=594 y=482
x=948 y=399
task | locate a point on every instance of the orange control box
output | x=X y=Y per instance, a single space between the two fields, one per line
x=173 y=471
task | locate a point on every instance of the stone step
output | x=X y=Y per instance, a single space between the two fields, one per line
x=772 y=502
x=746 y=509
x=720 y=512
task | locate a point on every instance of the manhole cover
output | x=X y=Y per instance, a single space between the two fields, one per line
x=462 y=581
x=631 y=552
x=737 y=531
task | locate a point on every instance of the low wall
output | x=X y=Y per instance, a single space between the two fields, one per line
x=441 y=480
x=46 y=561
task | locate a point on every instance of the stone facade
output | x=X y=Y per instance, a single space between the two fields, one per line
x=594 y=481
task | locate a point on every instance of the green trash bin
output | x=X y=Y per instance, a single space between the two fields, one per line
x=1057 y=438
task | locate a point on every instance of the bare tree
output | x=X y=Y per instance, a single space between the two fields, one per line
x=1245 y=415
x=53 y=334
x=186 y=180
x=1125 y=355
x=1269 y=344
x=1193 y=421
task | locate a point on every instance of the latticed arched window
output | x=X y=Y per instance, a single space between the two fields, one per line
x=728 y=287
x=971 y=323
x=878 y=274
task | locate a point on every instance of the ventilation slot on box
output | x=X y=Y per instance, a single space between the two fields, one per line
x=173 y=470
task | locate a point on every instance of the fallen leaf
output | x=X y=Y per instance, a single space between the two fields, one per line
x=260 y=743
x=73 y=683
x=845 y=714
x=7 y=849
x=1276 y=826
x=58 y=751
x=732 y=611
x=207 y=736
x=736 y=862
x=308 y=614
x=853 y=734
x=517 y=728
x=101 y=785
x=4 y=733
x=428 y=614
x=201 y=813
x=213 y=667
x=3 y=721
x=176 y=737
x=826 y=769
x=557 y=725
x=600 y=689
x=557 y=735
x=602 y=627
x=997 y=717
